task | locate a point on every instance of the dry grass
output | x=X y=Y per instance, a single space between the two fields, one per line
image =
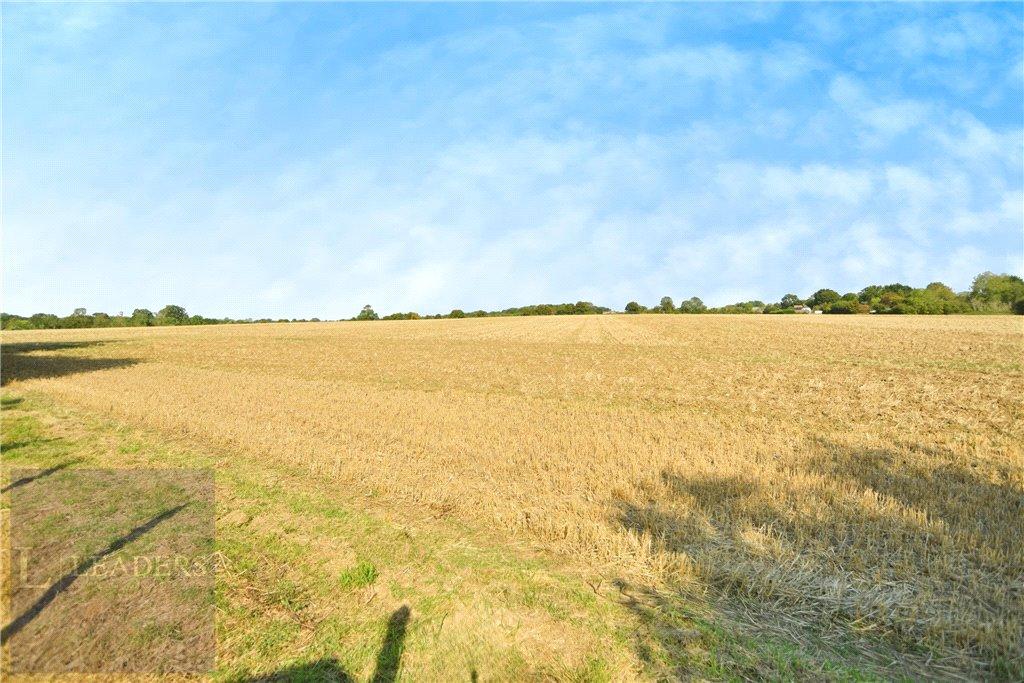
x=865 y=471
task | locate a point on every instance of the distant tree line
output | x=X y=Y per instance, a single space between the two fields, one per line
x=578 y=308
x=140 y=317
x=989 y=293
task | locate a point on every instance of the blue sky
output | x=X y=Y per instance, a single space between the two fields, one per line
x=301 y=160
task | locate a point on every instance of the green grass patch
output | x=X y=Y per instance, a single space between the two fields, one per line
x=359 y=576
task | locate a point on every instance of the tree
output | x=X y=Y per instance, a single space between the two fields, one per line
x=79 y=311
x=941 y=290
x=847 y=305
x=142 y=317
x=172 y=315
x=585 y=308
x=996 y=292
x=790 y=300
x=44 y=321
x=367 y=313
x=937 y=298
x=17 y=324
x=692 y=305
x=633 y=307
x=872 y=294
x=76 y=320
x=742 y=307
x=891 y=302
x=457 y=313
x=824 y=296
x=667 y=305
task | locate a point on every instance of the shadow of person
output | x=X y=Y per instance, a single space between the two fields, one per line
x=326 y=669
x=389 y=659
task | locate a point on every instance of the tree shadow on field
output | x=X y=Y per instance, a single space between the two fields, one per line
x=71 y=577
x=38 y=360
x=913 y=544
x=978 y=502
x=38 y=475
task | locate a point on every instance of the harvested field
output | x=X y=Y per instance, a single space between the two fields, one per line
x=809 y=472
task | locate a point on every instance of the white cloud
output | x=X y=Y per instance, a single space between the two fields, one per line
x=697 y=63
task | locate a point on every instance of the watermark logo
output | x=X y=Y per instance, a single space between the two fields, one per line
x=110 y=571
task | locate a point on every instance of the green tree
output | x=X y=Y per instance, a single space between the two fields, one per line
x=457 y=313
x=692 y=305
x=824 y=296
x=171 y=315
x=633 y=307
x=790 y=300
x=76 y=320
x=142 y=317
x=892 y=302
x=44 y=321
x=666 y=305
x=996 y=292
x=847 y=305
x=872 y=295
x=940 y=290
x=367 y=313
x=585 y=308
x=939 y=298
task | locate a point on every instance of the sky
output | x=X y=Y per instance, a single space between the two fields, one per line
x=301 y=160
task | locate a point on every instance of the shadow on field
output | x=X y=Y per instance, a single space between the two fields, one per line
x=68 y=579
x=327 y=669
x=389 y=660
x=38 y=475
x=916 y=544
x=935 y=481
x=36 y=360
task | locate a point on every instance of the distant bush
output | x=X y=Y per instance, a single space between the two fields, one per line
x=847 y=306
